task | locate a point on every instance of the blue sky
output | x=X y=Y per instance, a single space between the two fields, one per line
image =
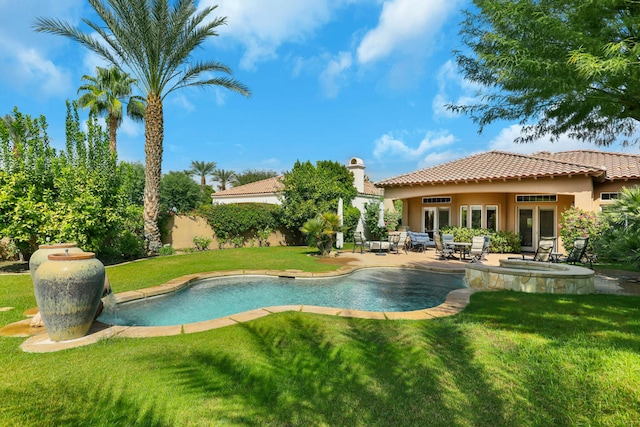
x=331 y=79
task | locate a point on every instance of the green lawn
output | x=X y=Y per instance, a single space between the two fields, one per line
x=509 y=359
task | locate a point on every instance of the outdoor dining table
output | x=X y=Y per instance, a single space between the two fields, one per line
x=461 y=247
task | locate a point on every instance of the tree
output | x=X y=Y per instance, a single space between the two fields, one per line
x=557 y=66
x=103 y=95
x=156 y=40
x=202 y=169
x=321 y=231
x=252 y=175
x=311 y=190
x=179 y=191
x=224 y=177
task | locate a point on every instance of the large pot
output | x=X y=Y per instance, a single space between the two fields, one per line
x=44 y=251
x=68 y=288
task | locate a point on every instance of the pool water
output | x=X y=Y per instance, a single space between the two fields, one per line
x=373 y=289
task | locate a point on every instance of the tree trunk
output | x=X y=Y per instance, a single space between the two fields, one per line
x=154 y=135
x=113 y=126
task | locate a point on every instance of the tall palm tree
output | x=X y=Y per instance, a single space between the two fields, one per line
x=156 y=40
x=103 y=94
x=224 y=177
x=202 y=169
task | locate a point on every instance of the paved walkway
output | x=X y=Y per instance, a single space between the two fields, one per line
x=606 y=282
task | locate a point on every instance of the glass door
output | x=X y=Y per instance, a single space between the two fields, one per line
x=525 y=228
x=429 y=224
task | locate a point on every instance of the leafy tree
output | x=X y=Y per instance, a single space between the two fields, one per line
x=202 y=169
x=75 y=195
x=557 y=66
x=223 y=177
x=179 y=191
x=133 y=183
x=103 y=95
x=156 y=40
x=252 y=175
x=311 y=190
x=577 y=223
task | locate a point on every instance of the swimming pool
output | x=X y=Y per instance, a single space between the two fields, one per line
x=372 y=289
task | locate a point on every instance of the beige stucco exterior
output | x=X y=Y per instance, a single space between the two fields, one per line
x=580 y=191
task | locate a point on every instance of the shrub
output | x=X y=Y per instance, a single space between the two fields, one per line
x=233 y=220
x=166 y=250
x=501 y=241
x=201 y=243
x=577 y=223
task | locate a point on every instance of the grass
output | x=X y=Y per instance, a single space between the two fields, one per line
x=508 y=359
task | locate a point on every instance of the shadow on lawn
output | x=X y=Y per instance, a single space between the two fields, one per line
x=302 y=369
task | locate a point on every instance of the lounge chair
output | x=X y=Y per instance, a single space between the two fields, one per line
x=577 y=252
x=359 y=240
x=486 y=247
x=445 y=252
x=543 y=253
x=477 y=248
x=419 y=241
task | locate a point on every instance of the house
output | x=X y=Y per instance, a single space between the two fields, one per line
x=506 y=191
x=270 y=190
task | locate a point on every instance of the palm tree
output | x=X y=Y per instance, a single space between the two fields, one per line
x=202 y=169
x=103 y=95
x=224 y=177
x=156 y=40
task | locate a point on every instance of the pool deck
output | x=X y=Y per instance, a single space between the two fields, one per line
x=456 y=301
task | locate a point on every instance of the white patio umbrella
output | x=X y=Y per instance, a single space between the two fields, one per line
x=339 y=235
x=381 y=216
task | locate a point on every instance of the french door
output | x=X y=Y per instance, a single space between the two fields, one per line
x=534 y=222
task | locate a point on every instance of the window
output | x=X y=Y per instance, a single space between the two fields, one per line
x=443 y=217
x=492 y=217
x=464 y=215
x=609 y=196
x=434 y=200
x=476 y=216
x=536 y=198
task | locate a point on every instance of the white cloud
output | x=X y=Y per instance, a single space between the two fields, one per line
x=388 y=146
x=180 y=100
x=504 y=141
x=449 y=82
x=333 y=75
x=405 y=26
x=263 y=26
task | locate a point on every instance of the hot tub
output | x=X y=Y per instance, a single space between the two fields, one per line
x=531 y=277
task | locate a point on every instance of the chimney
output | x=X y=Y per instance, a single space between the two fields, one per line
x=356 y=166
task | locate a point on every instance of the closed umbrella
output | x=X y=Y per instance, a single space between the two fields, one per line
x=339 y=235
x=381 y=217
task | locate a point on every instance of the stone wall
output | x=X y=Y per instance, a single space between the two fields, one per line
x=531 y=277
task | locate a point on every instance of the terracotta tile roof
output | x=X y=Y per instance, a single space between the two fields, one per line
x=617 y=165
x=274 y=185
x=495 y=165
x=266 y=186
x=371 y=189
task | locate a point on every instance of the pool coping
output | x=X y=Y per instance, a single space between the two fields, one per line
x=455 y=302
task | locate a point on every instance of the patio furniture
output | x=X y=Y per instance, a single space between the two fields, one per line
x=477 y=248
x=419 y=241
x=486 y=247
x=544 y=253
x=445 y=252
x=577 y=252
x=359 y=240
x=461 y=247
x=394 y=243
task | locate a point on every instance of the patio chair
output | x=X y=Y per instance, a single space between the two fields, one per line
x=404 y=240
x=394 y=243
x=445 y=252
x=477 y=248
x=419 y=241
x=577 y=252
x=359 y=240
x=486 y=247
x=543 y=253
x=446 y=239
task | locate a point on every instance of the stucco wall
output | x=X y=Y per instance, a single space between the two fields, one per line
x=181 y=230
